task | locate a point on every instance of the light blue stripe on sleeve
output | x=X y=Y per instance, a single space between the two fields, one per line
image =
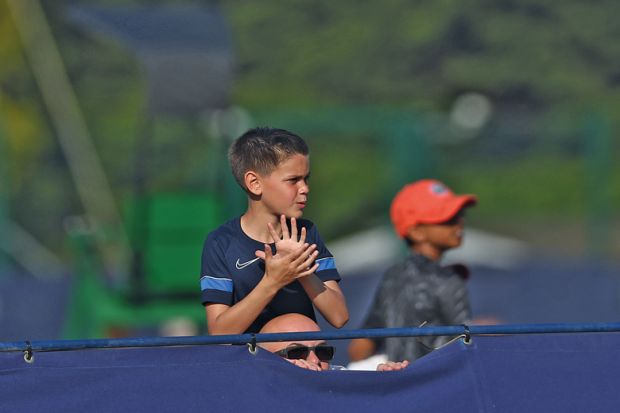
x=212 y=283
x=328 y=263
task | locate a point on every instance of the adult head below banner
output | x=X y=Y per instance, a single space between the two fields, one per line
x=312 y=354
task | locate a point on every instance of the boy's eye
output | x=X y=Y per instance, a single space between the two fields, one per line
x=298 y=179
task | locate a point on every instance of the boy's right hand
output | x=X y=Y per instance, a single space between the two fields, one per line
x=283 y=268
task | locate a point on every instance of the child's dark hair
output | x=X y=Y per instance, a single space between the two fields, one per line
x=262 y=150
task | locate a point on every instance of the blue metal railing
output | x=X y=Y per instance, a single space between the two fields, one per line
x=473 y=330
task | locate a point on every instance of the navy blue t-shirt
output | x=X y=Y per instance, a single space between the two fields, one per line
x=231 y=270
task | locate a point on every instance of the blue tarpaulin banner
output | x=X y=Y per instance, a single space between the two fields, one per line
x=512 y=373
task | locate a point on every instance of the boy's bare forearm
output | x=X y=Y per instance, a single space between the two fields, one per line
x=327 y=298
x=279 y=271
x=237 y=319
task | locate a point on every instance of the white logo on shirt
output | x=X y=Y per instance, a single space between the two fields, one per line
x=242 y=265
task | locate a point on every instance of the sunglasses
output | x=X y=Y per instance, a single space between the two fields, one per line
x=299 y=351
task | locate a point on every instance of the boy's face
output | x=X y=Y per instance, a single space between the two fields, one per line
x=438 y=238
x=285 y=189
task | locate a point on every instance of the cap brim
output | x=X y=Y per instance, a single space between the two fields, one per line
x=452 y=208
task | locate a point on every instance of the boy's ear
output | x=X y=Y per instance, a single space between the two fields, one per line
x=416 y=233
x=252 y=183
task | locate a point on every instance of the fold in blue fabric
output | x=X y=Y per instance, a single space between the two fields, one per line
x=533 y=373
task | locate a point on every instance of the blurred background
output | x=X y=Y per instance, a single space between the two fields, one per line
x=115 y=117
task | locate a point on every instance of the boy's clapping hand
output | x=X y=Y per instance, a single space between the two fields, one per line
x=288 y=241
x=284 y=268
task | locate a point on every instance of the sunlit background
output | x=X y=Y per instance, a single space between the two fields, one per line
x=115 y=117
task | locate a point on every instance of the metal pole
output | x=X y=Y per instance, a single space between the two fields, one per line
x=60 y=100
x=464 y=330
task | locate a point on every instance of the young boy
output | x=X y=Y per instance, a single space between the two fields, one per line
x=254 y=267
x=429 y=217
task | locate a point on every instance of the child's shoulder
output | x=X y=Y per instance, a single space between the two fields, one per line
x=228 y=229
x=312 y=232
x=305 y=223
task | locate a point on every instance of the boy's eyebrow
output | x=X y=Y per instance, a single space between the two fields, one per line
x=297 y=176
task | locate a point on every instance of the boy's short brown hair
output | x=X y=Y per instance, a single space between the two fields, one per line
x=262 y=150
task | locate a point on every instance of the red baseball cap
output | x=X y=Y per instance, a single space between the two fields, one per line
x=427 y=201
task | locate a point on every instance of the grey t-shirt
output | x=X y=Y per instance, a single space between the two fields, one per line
x=415 y=291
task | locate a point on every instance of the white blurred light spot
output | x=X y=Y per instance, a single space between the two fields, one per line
x=178 y=327
x=228 y=123
x=471 y=111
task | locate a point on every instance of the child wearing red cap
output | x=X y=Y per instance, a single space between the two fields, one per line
x=418 y=290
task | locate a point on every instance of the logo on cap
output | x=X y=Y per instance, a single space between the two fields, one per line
x=438 y=188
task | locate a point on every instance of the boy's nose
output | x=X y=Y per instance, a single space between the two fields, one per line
x=304 y=188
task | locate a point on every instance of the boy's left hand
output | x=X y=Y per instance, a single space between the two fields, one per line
x=288 y=242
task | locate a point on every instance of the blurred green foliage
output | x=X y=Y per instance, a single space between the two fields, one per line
x=543 y=65
x=538 y=54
